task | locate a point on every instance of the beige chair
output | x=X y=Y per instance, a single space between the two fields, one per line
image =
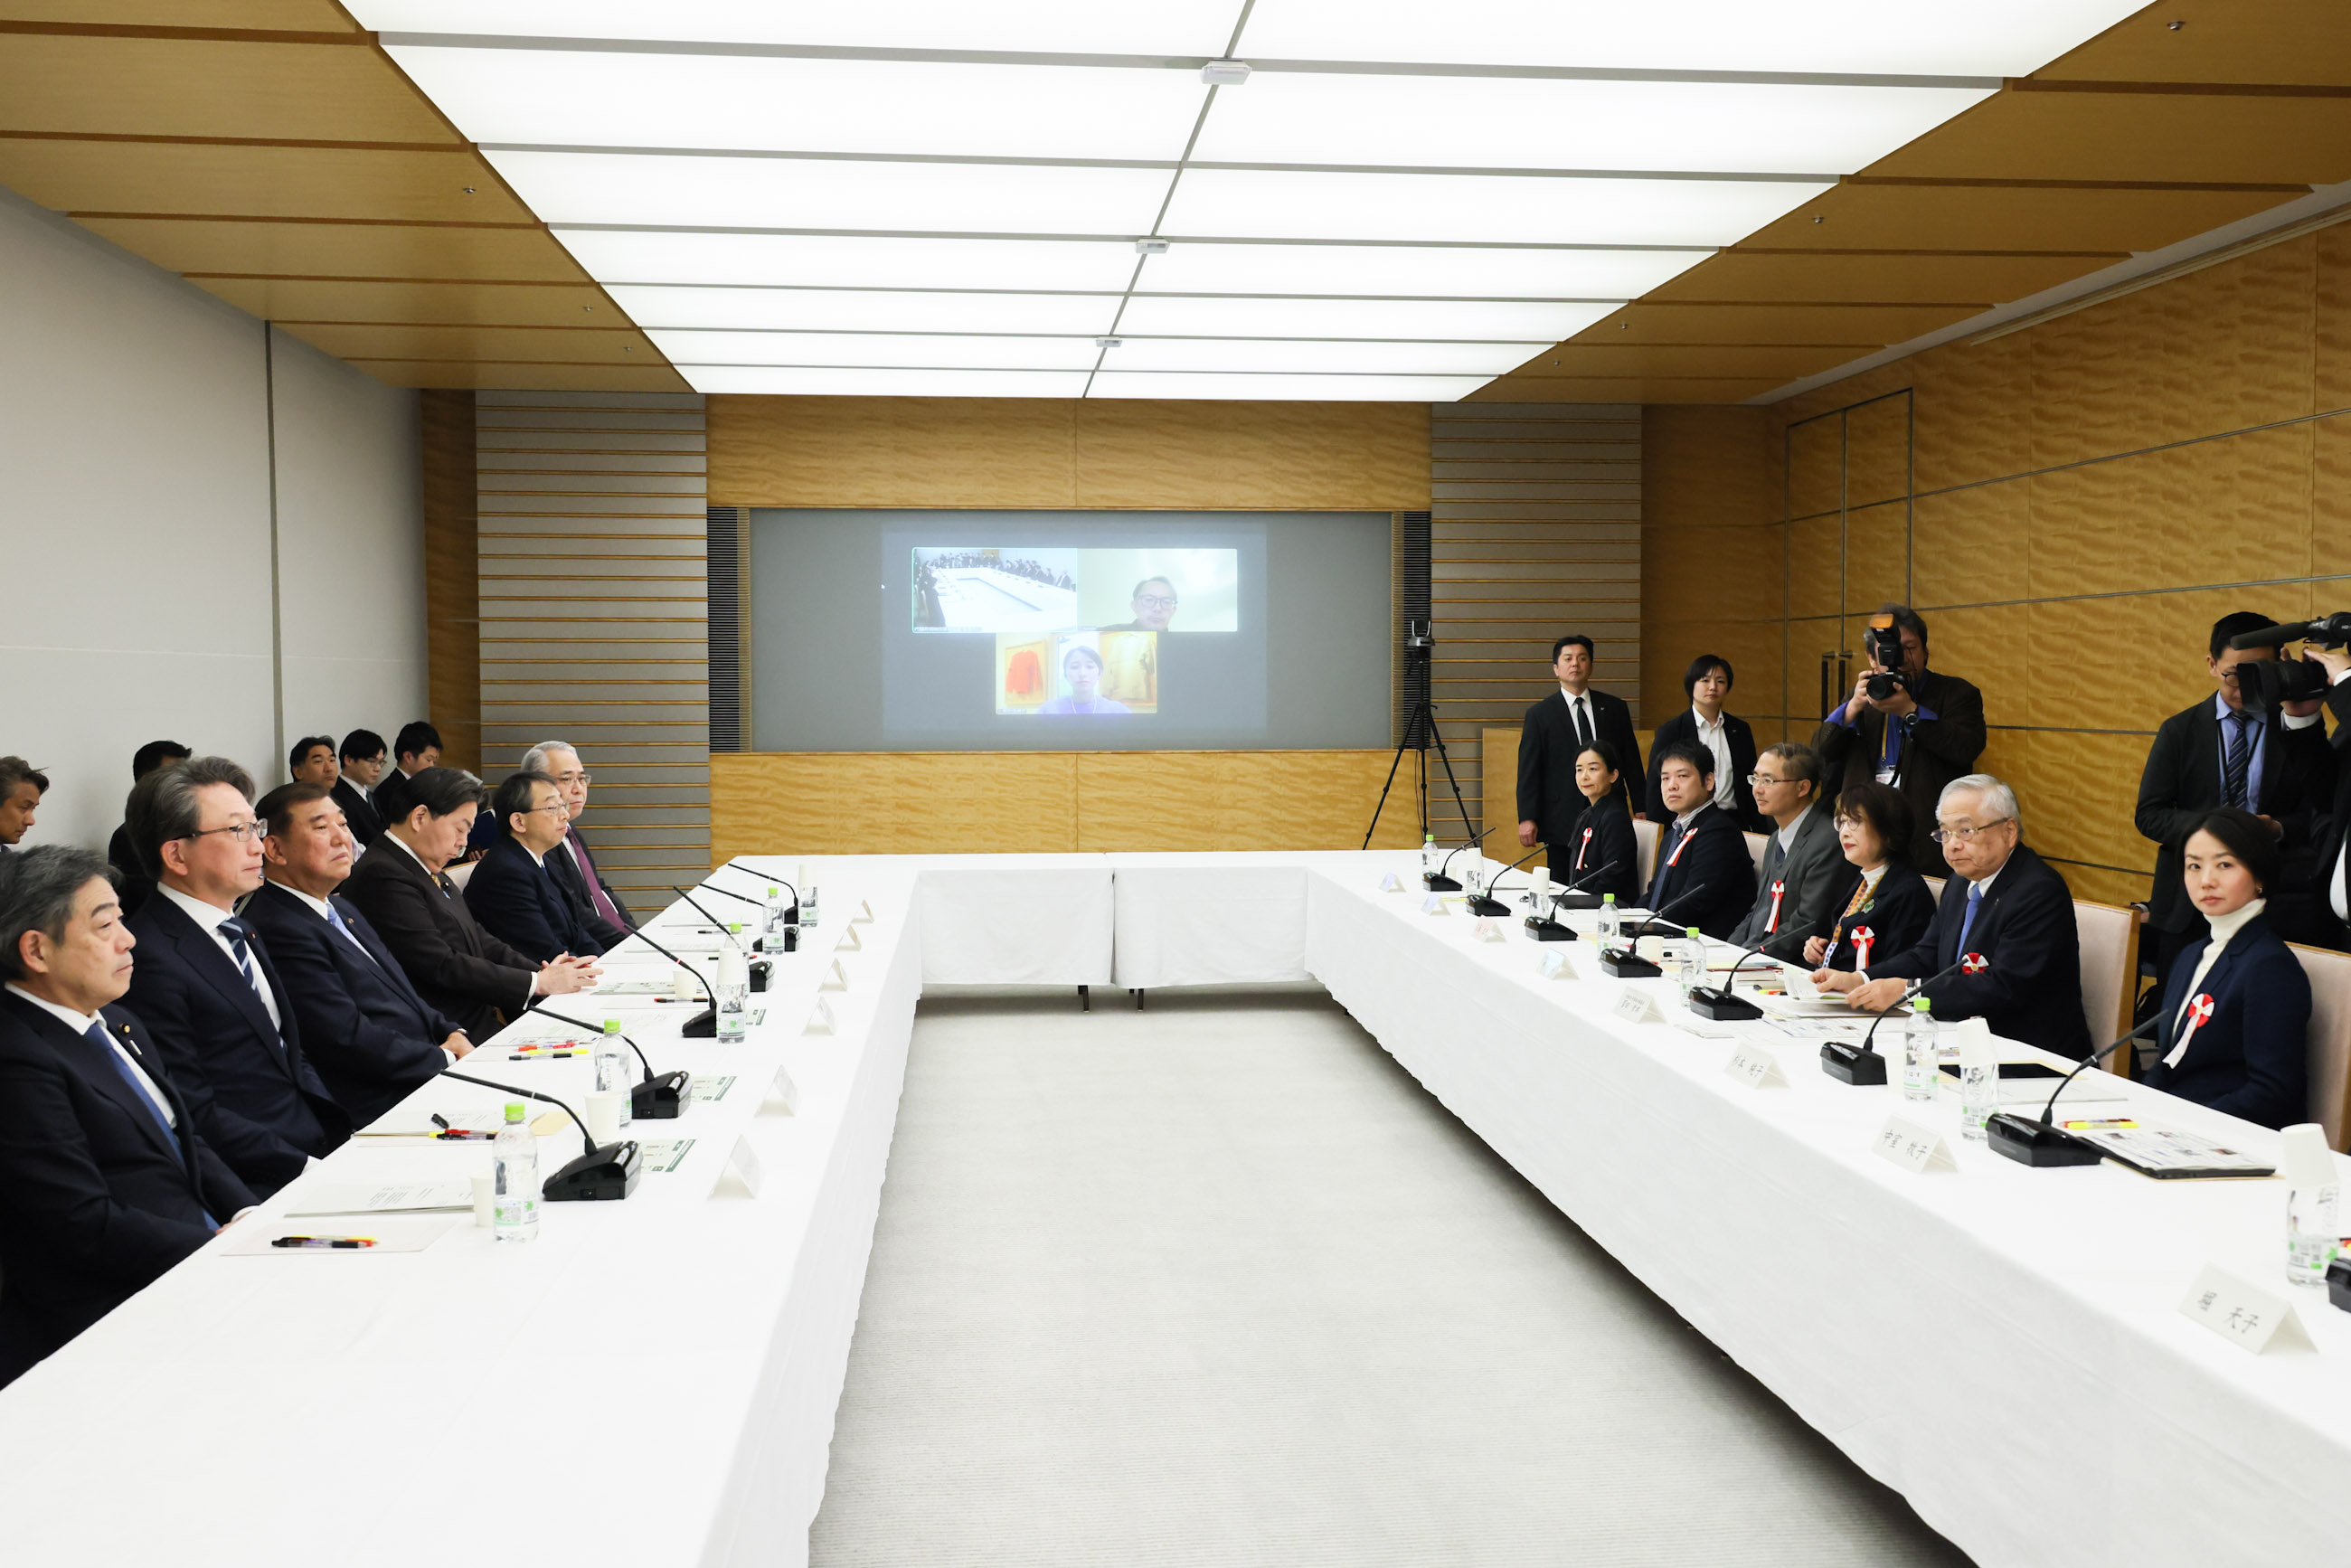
x=1756 y=845
x=2109 y=943
x=2330 y=1038
x=1644 y=834
x=462 y=874
x=1935 y=887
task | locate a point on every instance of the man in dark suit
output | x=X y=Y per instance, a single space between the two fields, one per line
x=131 y=879
x=1702 y=858
x=1806 y=877
x=1727 y=736
x=2006 y=913
x=599 y=908
x=2277 y=766
x=206 y=983
x=1926 y=732
x=105 y=1182
x=359 y=763
x=1556 y=728
x=416 y=748
x=461 y=971
x=511 y=893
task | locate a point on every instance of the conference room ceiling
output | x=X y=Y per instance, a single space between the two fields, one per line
x=1496 y=199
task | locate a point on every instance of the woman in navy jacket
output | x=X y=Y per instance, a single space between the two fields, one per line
x=1603 y=834
x=1891 y=905
x=2236 y=1008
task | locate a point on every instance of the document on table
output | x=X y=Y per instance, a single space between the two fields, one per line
x=2166 y=1153
x=662 y=1154
x=709 y=1090
x=387 y=1198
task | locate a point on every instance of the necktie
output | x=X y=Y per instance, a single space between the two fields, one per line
x=448 y=889
x=335 y=919
x=2238 y=764
x=95 y=1035
x=1583 y=725
x=597 y=898
x=1968 y=921
x=237 y=931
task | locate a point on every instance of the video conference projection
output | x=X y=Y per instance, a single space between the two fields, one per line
x=903 y=630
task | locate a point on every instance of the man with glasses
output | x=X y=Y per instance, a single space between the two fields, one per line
x=1806 y=877
x=512 y=893
x=1926 y=731
x=205 y=983
x=600 y=909
x=2007 y=921
x=1154 y=604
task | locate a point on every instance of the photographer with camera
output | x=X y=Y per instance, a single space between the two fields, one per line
x=1905 y=725
x=2236 y=750
x=2321 y=915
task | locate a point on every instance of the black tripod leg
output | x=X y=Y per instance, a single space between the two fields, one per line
x=1411 y=733
x=1466 y=831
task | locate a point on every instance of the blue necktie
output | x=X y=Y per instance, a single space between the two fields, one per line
x=236 y=931
x=335 y=919
x=1968 y=921
x=2238 y=764
x=96 y=1036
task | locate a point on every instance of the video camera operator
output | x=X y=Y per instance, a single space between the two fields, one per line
x=1905 y=726
x=2326 y=919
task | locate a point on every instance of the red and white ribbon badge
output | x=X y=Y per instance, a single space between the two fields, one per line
x=1772 y=926
x=1974 y=964
x=2199 y=1013
x=1580 y=848
x=1676 y=858
x=1862 y=937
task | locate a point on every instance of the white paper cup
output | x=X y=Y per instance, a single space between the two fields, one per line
x=486 y=1198
x=681 y=984
x=603 y=1117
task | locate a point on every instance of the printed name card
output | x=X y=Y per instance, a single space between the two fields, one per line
x=2248 y=1317
x=820 y=1020
x=1915 y=1148
x=849 y=942
x=1391 y=883
x=835 y=978
x=1432 y=904
x=1635 y=1007
x=864 y=916
x=1553 y=964
x=1755 y=1067
x=784 y=1092
x=1487 y=930
x=744 y=1163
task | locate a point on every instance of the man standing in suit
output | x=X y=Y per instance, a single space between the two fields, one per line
x=512 y=893
x=461 y=971
x=599 y=908
x=1727 y=736
x=131 y=880
x=105 y=1182
x=360 y=760
x=371 y=1036
x=1806 y=878
x=1556 y=728
x=206 y=983
x=2006 y=914
x=2277 y=767
x=1702 y=857
x=1925 y=732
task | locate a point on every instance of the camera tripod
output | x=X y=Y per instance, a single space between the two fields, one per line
x=1419 y=732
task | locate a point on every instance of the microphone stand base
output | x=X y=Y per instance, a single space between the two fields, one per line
x=601 y=1175
x=1437 y=883
x=702 y=1025
x=1543 y=930
x=2338 y=1283
x=1858 y=1065
x=1575 y=901
x=2035 y=1142
x=1488 y=906
x=1718 y=1003
x=1625 y=967
x=662 y=1099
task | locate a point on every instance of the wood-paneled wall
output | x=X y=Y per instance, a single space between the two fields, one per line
x=971 y=802
x=2087 y=496
x=453 y=651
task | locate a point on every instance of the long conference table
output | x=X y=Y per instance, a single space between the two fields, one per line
x=654 y=1382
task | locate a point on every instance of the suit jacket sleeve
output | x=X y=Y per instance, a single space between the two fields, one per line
x=2307 y=763
x=507 y=908
x=1834 y=742
x=1827 y=883
x=1956 y=734
x=1917 y=961
x=2033 y=922
x=160 y=1000
x=335 y=1030
x=2159 y=815
x=1530 y=748
x=2276 y=1003
x=56 y=1191
x=402 y=918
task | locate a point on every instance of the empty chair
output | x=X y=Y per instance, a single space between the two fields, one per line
x=2330 y=1038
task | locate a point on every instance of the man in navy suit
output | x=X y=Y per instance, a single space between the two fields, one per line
x=1702 y=857
x=206 y=983
x=599 y=908
x=2007 y=916
x=359 y=764
x=371 y=1036
x=105 y=1182
x=511 y=892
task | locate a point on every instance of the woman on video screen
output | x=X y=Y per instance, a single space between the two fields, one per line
x=1083 y=668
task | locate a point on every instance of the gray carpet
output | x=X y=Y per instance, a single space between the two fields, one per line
x=1217 y=1283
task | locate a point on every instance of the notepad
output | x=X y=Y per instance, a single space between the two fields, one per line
x=385 y=1198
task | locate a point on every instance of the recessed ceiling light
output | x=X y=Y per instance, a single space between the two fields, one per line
x=1224 y=73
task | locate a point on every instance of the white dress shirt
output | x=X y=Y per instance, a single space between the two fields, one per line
x=80 y=1023
x=1580 y=703
x=1712 y=737
x=1787 y=835
x=208 y=918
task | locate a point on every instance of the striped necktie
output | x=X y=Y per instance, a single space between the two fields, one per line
x=2238 y=766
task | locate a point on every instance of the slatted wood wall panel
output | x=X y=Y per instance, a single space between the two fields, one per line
x=594 y=617
x=1536 y=533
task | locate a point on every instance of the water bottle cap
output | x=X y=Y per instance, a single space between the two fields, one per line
x=1608 y=898
x=1919 y=1005
x=736 y=927
x=773 y=891
x=611 y=1026
x=1691 y=931
x=514 y=1112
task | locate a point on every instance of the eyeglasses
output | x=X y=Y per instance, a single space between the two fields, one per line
x=550 y=806
x=1155 y=602
x=574 y=778
x=1966 y=835
x=243 y=832
x=1764 y=778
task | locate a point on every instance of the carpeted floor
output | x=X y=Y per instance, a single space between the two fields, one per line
x=1216 y=1283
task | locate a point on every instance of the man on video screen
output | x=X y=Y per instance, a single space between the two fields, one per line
x=1153 y=605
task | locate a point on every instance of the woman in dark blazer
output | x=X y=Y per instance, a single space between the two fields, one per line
x=2236 y=1006
x=1707 y=681
x=1603 y=834
x=1892 y=905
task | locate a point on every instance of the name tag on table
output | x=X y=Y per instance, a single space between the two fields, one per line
x=782 y=1091
x=1485 y=930
x=1432 y=904
x=1915 y=1148
x=1637 y=1007
x=835 y=978
x=1755 y=1067
x=820 y=1020
x=743 y=1164
x=850 y=941
x=1391 y=883
x=1553 y=964
x=2248 y=1317
x=864 y=914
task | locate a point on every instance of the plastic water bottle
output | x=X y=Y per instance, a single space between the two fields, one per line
x=731 y=990
x=779 y=916
x=1918 y=1053
x=514 y=1156
x=1608 y=927
x=807 y=899
x=1979 y=1086
x=613 y=1075
x=1693 y=966
x=2313 y=1196
x=1428 y=857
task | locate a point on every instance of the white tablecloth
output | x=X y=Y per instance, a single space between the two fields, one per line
x=1212 y=919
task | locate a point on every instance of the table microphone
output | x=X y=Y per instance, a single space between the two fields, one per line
x=793 y=910
x=1860 y=1065
x=606 y=1171
x=1485 y=903
x=1719 y=1003
x=658 y=1098
x=1546 y=927
x=759 y=968
x=2043 y=1142
x=702 y=1025
x=791 y=922
x=1624 y=963
x=1437 y=881
x=1655 y=916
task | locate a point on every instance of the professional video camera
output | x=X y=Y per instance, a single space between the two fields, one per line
x=2267 y=684
x=1884 y=641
